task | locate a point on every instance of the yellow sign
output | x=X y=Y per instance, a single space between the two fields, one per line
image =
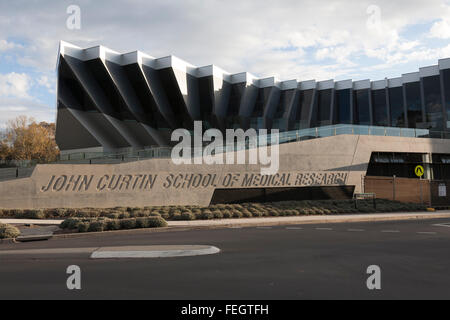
x=419 y=170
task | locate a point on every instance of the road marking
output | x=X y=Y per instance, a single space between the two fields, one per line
x=447 y=225
x=324 y=229
x=294 y=228
x=426 y=232
x=390 y=231
x=153 y=252
x=356 y=230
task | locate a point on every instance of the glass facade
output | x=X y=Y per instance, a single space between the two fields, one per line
x=396 y=107
x=303 y=109
x=379 y=108
x=322 y=108
x=176 y=101
x=413 y=104
x=342 y=106
x=388 y=164
x=446 y=79
x=361 y=114
x=68 y=85
x=281 y=116
x=152 y=114
x=433 y=102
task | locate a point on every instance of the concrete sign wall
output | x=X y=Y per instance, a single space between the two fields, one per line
x=333 y=161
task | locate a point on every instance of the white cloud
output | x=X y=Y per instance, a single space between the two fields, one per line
x=290 y=39
x=15 y=85
x=5 y=45
x=440 y=29
x=47 y=82
x=11 y=108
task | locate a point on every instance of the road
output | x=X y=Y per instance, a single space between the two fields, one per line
x=281 y=262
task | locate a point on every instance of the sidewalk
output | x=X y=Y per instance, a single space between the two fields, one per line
x=276 y=220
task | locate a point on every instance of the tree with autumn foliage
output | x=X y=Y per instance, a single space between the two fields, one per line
x=25 y=139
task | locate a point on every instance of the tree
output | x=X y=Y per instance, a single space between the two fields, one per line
x=25 y=139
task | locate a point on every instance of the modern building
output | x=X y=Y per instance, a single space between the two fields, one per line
x=109 y=101
x=116 y=113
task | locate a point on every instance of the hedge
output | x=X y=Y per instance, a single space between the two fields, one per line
x=107 y=224
x=217 y=211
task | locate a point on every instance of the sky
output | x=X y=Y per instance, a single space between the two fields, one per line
x=289 y=39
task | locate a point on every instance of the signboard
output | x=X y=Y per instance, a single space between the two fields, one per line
x=419 y=171
x=442 y=190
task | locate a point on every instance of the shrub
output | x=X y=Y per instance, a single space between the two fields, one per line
x=217 y=214
x=141 y=222
x=70 y=223
x=96 y=226
x=156 y=222
x=226 y=214
x=187 y=216
x=112 y=225
x=34 y=214
x=124 y=215
x=237 y=214
x=205 y=215
x=8 y=231
x=83 y=226
x=128 y=223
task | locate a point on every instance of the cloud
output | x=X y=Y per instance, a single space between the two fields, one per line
x=290 y=39
x=11 y=108
x=440 y=29
x=6 y=45
x=15 y=85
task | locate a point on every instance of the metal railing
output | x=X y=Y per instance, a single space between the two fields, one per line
x=282 y=137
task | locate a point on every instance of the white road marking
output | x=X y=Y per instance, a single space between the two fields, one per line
x=390 y=231
x=180 y=251
x=356 y=230
x=447 y=225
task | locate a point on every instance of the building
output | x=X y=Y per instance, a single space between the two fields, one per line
x=133 y=101
x=116 y=113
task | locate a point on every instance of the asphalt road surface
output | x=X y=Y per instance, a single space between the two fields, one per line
x=281 y=262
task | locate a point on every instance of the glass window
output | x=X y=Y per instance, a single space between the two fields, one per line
x=413 y=104
x=152 y=114
x=433 y=102
x=237 y=90
x=396 y=107
x=379 y=108
x=303 y=109
x=342 y=107
x=261 y=101
x=69 y=84
x=446 y=78
x=284 y=102
x=206 y=95
x=361 y=113
x=321 y=110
